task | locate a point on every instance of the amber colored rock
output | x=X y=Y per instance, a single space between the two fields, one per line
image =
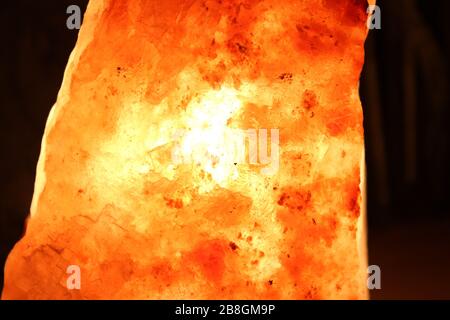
x=112 y=197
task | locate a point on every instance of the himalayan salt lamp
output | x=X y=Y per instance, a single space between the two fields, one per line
x=202 y=149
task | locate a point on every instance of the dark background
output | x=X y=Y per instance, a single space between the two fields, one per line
x=405 y=92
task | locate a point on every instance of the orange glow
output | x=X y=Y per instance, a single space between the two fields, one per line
x=203 y=149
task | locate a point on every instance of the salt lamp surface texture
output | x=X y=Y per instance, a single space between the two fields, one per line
x=139 y=183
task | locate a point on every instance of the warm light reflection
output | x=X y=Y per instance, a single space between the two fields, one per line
x=203 y=150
